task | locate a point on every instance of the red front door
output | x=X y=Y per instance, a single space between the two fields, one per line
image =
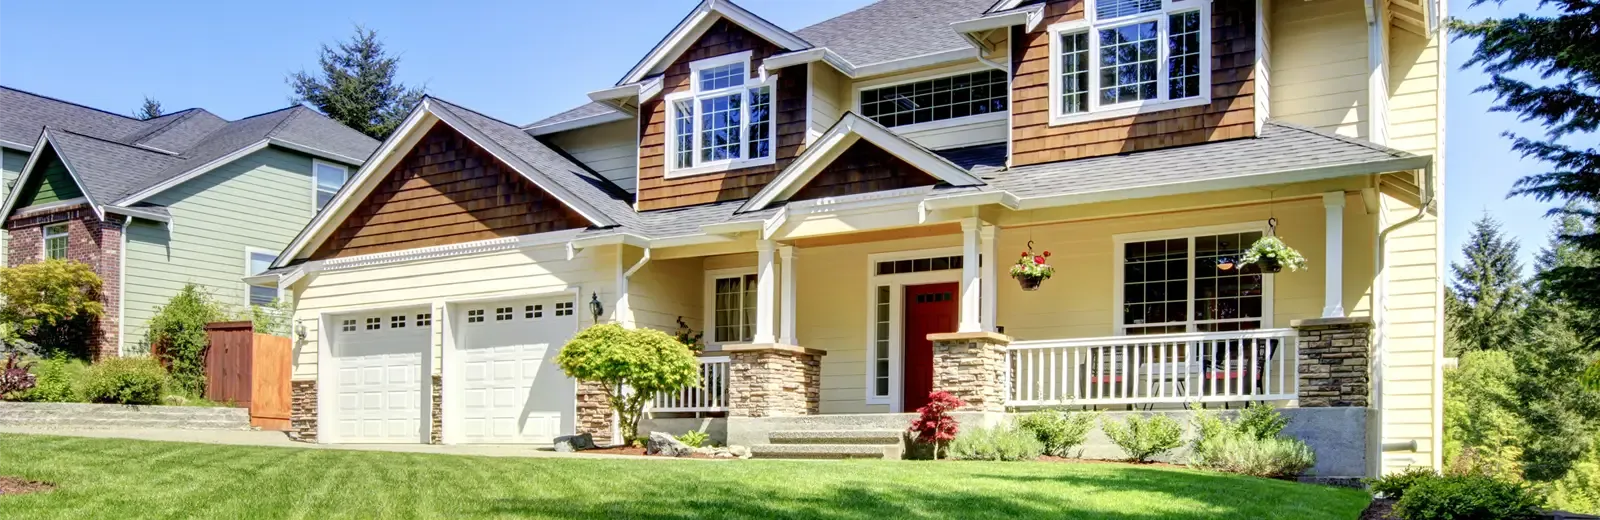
x=929 y=309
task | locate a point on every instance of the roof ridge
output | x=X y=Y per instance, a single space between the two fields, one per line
x=153 y=132
x=162 y=153
x=79 y=105
x=1334 y=135
x=286 y=119
x=458 y=105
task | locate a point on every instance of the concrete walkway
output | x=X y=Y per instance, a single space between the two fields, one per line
x=279 y=440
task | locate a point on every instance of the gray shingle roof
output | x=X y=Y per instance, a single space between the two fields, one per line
x=23 y=115
x=177 y=131
x=895 y=29
x=590 y=109
x=107 y=169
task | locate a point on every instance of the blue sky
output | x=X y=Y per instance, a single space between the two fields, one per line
x=520 y=61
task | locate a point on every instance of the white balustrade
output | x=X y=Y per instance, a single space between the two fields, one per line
x=711 y=395
x=1210 y=367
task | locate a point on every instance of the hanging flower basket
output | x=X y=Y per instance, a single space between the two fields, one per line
x=1032 y=270
x=1272 y=255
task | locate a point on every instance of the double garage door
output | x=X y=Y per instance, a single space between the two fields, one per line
x=501 y=382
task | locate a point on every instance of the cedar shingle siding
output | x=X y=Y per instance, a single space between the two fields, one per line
x=1230 y=115
x=447 y=190
x=863 y=168
x=658 y=192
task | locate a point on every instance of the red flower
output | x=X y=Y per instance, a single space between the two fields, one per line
x=1038 y=260
x=1047 y=254
x=1024 y=254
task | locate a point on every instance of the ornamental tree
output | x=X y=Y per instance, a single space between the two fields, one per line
x=633 y=366
x=52 y=303
x=933 y=424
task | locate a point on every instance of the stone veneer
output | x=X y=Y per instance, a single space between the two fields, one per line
x=303 y=411
x=773 y=380
x=90 y=240
x=436 y=435
x=594 y=413
x=971 y=366
x=1334 y=359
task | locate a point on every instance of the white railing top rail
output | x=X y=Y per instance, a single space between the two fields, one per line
x=1153 y=338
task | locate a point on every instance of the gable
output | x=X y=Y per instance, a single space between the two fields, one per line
x=446 y=190
x=863 y=168
x=51 y=182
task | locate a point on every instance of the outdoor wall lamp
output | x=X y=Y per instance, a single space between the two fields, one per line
x=596 y=308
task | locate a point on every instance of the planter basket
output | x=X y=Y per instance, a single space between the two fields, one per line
x=1271 y=265
x=1030 y=283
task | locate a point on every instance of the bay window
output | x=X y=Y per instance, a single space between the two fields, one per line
x=1130 y=56
x=723 y=121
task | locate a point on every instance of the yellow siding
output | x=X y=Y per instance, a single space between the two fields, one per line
x=664 y=290
x=610 y=149
x=1319 y=64
x=1414 y=100
x=1410 y=343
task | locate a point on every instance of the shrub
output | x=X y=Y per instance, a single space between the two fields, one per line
x=1003 y=443
x=1261 y=421
x=1060 y=431
x=57 y=380
x=646 y=362
x=694 y=438
x=933 y=424
x=14 y=376
x=273 y=318
x=136 y=380
x=1144 y=437
x=53 y=303
x=1272 y=457
x=177 y=336
x=1394 y=485
x=1467 y=497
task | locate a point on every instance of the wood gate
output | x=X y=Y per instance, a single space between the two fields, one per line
x=250 y=370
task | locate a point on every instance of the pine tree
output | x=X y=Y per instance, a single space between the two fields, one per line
x=357 y=86
x=1487 y=294
x=150 y=109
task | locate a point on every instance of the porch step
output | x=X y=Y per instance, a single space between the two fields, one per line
x=825 y=451
x=879 y=437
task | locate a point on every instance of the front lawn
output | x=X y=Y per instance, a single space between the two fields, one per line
x=107 y=478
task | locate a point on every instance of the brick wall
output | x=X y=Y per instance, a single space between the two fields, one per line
x=90 y=241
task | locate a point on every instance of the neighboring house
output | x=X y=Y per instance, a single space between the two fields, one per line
x=837 y=208
x=153 y=205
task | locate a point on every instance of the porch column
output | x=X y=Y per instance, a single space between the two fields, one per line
x=991 y=278
x=972 y=366
x=765 y=293
x=786 y=324
x=970 y=321
x=1333 y=277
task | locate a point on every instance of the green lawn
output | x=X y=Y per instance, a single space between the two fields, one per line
x=104 y=478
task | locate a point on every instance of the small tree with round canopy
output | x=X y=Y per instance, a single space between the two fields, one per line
x=632 y=365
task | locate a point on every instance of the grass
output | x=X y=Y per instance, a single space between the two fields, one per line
x=108 y=478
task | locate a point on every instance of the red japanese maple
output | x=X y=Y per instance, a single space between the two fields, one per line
x=933 y=424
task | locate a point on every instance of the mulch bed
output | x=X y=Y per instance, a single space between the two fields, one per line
x=1379 y=510
x=17 y=486
x=1051 y=458
x=631 y=450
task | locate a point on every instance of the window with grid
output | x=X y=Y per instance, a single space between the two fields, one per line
x=1130 y=53
x=259 y=263
x=938 y=99
x=1191 y=284
x=397 y=322
x=425 y=319
x=880 y=343
x=733 y=308
x=374 y=323
x=724 y=120
x=55 y=242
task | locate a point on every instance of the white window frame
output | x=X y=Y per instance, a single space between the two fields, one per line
x=929 y=76
x=897 y=293
x=317 y=188
x=1118 y=328
x=1092 y=25
x=252 y=251
x=710 y=292
x=694 y=93
x=45 y=236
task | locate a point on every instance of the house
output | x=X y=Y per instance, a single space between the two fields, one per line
x=152 y=205
x=837 y=207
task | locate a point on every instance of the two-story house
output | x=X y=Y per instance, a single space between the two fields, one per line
x=837 y=208
x=152 y=205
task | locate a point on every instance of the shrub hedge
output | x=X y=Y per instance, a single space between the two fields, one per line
x=1002 y=443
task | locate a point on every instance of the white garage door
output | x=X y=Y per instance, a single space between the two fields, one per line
x=379 y=380
x=511 y=390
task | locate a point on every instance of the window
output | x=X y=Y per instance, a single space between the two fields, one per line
x=1192 y=284
x=533 y=311
x=397 y=322
x=563 y=308
x=327 y=179
x=880 y=343
x=1130 y=56
x=938 y=99
x=374 y=323
x=724 y=120
x=475 y=316
x=55 y=242
x=259 y=262
x=425 y=319
x=348 y=326
x=733 y=307
x=502 y=314
x=920 y=265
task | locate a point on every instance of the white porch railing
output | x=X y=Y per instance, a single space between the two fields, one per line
x=1258 y=365
x=710 y=396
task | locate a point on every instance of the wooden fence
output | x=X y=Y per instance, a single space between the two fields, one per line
x=249 y=370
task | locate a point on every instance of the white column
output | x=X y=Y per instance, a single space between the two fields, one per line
x=1333 y=277
x=970 y=321
x=620 y=312
x=786 y=324
x=766 y=285
x=991 y=277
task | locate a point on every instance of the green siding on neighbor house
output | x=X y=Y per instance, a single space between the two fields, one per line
x=260 y=201
x=11 y=163
x=54 y=185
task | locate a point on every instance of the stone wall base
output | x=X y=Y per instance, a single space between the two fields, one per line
x=772 y=380
x=594 y=413
x=303 y=411
x=1334 y=361
x=971 y=366
x=436 y=435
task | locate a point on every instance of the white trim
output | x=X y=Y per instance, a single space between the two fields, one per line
x=1333 y=268
x=1092 y=25
x=789 y=292
x=971 y=278
x=250 y=252
x=16 y=146
x=1120 y=240
x=443 y=319
x=48 y=205
x=690 y=29
x=990 y=22
x=709 y=293
x=316 y=187
x=582 y=122
x=553 y=238
x=327 y=366
x=694 y=95
x=136 y=212
x=1225 y=183
x=192 y=173
x=122 y=290
x=881 y=68
x=897 y=287
x=45 y=236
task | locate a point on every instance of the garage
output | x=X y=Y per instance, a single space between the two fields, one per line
x=378 y=365
x=510 y=389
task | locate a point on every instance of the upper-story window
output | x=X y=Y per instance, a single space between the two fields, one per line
x=258 y=261
x=723 y=121
x=55 y=242
x=936 y=99
x=1130 y=56
x=327 y=179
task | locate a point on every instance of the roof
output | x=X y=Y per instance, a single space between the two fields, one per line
x=24 y=114
x=106 y=169
x=891 y=30
x=593 y=110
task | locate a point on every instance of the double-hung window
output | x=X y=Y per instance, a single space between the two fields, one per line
x=724 y=120
x=1130 y=56
x=55 y=242
x=258 y=262
x=327 y=179
x=1192 y=282
x=732 y=306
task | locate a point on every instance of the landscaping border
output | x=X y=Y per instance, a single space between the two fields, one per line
x=107 y=416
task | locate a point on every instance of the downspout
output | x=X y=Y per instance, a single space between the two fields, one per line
x=624 y=305
x=1428 y=194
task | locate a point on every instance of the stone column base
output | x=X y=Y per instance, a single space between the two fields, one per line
x=1334 y=359
x=303 y=411
x=436 y=435
x=971 y=366
x=773 y=380
x=595 y=416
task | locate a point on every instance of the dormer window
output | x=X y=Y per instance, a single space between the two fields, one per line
x=724 y=120
x=1130 y=56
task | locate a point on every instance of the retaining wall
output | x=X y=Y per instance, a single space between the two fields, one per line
x=116 y=416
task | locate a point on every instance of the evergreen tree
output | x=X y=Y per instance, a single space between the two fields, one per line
x=1487 y=295
x=357 y=86
x=150 y=109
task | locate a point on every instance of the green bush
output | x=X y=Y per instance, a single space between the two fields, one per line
x=1272 y=457
x=645 y=362
x=1002 y=443
x=177 y=336
x=53 y=304
x=1261 y=421
x=1143 y=438
x=1060 y=431
x=1459 y=497
x=57 y=380
x=1394 y=485
x=694 y=438
x=135 y=380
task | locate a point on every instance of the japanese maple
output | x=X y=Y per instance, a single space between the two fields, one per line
x=933 y=424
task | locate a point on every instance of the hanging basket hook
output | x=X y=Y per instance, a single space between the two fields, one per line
x=1030 y=245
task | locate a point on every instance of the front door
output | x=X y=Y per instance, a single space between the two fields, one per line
x=929 y=309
